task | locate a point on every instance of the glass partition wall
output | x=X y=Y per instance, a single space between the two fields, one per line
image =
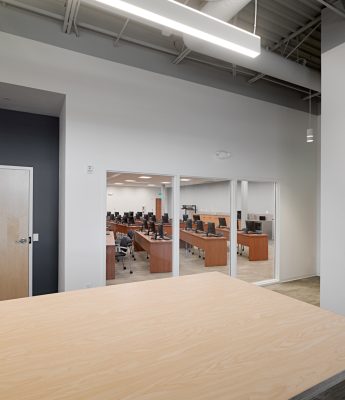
x=256 y=205
x=204 y=225
x=139 y=227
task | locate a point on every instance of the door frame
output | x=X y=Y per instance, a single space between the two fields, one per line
x=31 y=198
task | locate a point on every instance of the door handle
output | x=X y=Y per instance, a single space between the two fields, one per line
x=21 y=241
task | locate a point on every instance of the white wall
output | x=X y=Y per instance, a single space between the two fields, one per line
x=128 y=198
x=332 y=269
x=209 y=197
x=261 y=198
x=106 y=102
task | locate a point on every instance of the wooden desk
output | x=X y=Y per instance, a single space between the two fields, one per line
x=160 y=251
x=216 y=253
x=214 y=218
x=168 y=228
x=196 y=337
x=224 y=231
x=110 y=255
x=122 y=228
x=257 y=243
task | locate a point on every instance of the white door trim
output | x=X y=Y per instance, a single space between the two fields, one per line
x=31 y=181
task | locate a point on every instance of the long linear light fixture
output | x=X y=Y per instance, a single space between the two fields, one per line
x=180 y=18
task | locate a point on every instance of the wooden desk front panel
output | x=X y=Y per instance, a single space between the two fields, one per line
x=160 y=252
x=110 y=255
x=214 y=218
x=196 y=337
x=258 y=245
x=215 y=247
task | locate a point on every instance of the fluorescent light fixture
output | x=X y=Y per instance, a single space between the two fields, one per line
x=184 y=19
x=165 y=183
x=151 y=184
x=118 y=183
x=130 y=180
x=145 y=177
x=185 y=179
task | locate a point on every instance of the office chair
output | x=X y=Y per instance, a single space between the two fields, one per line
x=131 y=247
x=122 y=249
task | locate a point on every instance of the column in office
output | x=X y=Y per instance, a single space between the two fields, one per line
x=256 y=220
x=139 y=220
x=205 y=225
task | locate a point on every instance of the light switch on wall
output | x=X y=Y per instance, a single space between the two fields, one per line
x=35 y=237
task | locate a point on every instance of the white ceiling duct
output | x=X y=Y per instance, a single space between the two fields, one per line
x=267 y=62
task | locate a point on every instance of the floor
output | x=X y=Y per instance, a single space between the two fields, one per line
x=307 y=290
x=249 y=271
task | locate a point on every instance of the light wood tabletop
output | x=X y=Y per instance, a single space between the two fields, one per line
x=204 y=337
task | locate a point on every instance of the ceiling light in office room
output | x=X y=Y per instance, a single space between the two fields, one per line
x=185 y=179
x=145 y=177
x=151 y=185
x=223 y=154
x=130 y=180
x=165 y=183
x=184 y=19
x=118 y=183
x=310 y=130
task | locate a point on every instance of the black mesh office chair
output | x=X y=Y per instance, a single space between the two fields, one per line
x=122 y=249
x=131 y=247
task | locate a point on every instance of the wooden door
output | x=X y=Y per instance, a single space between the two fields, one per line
x=14 y=233
x=158 y=209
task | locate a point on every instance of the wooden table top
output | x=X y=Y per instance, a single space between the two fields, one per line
x=202 y=235
x=252 y=234
x=196 y=337
x=151 y=238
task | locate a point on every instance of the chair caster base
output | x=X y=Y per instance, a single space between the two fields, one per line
x=124 y=267
x=131 y=272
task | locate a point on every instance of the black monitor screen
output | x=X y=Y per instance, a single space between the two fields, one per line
x=153 y=218
x=196 y=217
x=145 y=225
x=125 y=219
x=152 y=227
x=139 y=214
x=131 y=220
x=116 y=213
x=189 y=224
x=262 y=218
x=185 y=217
x=211 y=228
x=118 y=218
x=239 y=214
x=199 y=225
x=165 y=219
x=125 y=214
x=112 y=217
x=150 y=214
x=108 y=213
x=250 y=226
x=160 y=231
x=222 y=221
x=131 y=213
x=258 y=226
x=146 y=217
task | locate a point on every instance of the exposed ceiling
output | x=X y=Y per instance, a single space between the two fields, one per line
x=118 y=179
x=25 y=99
x=288 y=27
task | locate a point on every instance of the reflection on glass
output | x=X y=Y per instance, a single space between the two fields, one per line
x=256 y=231
x=138 y=227
x=204 y=225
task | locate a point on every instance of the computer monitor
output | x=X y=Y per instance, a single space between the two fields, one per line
x=131 y=214
x=153 y=218
x=222 y=222
x=150 y=214
x=165 y=219
x=125 y=219
x=118 y=218
x=126 y=214
x=189 y=224
x=262 y=218
x=211 y=228
x=161 y=231
x=116 y=213
x=185 y=217
x=152 y=227
x=139 y=214
x=196 y=217
x=239 y=215
x=112 y=217
x=131 y=220
x=145 y=225
x=108 y=213
x=146 y=217
x=199 y=226
x=250 y=226
x=257 y=227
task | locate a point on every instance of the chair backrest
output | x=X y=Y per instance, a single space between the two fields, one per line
x=130 y=234
x=125 y=241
